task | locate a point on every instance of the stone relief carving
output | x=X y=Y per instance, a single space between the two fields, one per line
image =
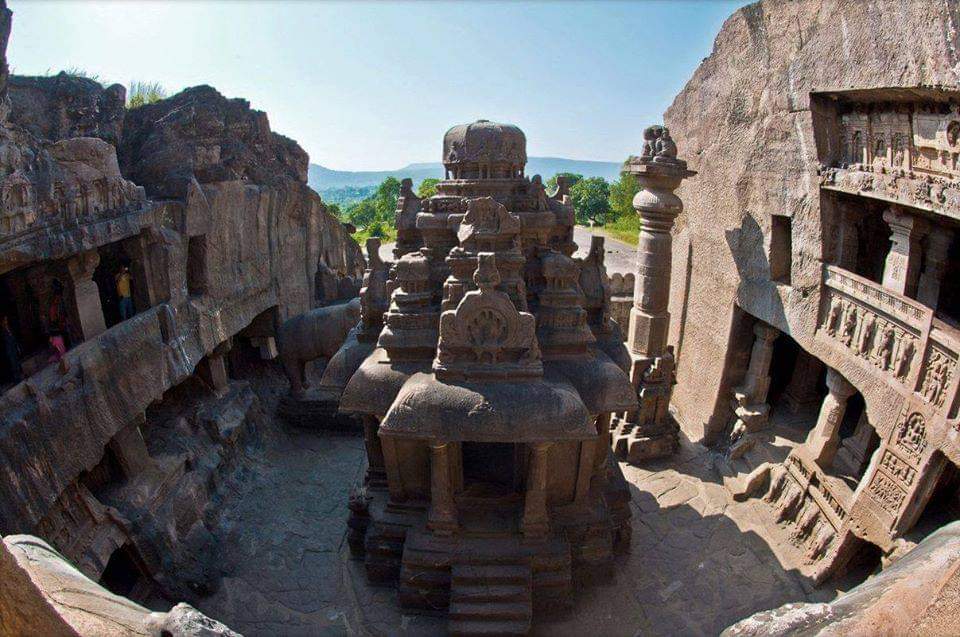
x=887 y=493
x=869 y=336
x=797 y=500
x=897 y=468
x=486 y=336
x=903 y=153
x=937 y=376
x=911 y=434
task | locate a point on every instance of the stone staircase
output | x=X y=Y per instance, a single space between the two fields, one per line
x=491 y=598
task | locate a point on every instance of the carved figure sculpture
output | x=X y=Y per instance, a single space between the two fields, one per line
x=315 y=334
x=867 y=328
x=833 y=318
x=884 y=350
x=904 y=356
x=849 y=326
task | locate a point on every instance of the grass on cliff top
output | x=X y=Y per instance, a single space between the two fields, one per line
x=143 y=93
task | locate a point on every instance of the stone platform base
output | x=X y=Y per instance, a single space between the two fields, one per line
x=318 y=409
x=637 y=443
x=489 y=578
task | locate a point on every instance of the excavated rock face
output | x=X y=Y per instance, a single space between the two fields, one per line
x=65 y=106
x=199 y=133
x=745 y=122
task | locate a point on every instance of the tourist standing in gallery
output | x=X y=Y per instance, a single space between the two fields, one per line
x=123 y=279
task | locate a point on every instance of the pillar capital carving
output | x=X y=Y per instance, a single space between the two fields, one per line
x=765 y=332
x=839 y=386
x=903 y=223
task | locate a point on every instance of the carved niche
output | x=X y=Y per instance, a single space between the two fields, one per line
x=911 y=434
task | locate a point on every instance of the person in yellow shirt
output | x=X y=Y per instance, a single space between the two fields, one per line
x=123 y=280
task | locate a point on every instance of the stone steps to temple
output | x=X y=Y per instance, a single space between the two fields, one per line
x=490 y=599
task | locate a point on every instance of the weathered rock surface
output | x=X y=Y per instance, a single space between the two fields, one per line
x=63 y=106
x=43 y=594
x=200 y=134
x=917 y=595
x=745 y=123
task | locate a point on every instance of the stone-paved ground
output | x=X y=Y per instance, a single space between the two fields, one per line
x=699 y=561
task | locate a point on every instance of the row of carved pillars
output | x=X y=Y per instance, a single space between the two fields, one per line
x=914 y=244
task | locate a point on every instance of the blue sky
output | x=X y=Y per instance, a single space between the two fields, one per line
x=374 y=85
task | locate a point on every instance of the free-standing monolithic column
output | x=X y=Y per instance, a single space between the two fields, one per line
x=824 y=439
x=651 y=432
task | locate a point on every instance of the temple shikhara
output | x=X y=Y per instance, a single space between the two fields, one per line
x=221 y=415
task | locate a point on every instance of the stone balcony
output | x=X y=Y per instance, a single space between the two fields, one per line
x=896 y=340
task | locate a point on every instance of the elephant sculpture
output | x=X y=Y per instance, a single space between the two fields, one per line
x=312 y=335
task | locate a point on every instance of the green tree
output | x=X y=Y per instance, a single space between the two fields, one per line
x=622 y=192
x=362 y=213
x=591 y=200
x=572 y=178
x=334 y=209
x=427 y=188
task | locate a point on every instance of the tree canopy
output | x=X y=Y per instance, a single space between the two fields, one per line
x=622 y=192
x=427 y=188
x=590 y=199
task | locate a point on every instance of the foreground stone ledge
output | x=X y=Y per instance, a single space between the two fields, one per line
x=43 y=594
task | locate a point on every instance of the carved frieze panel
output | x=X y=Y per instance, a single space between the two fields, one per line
x=898 y=468
x=887 y=493
x=872 y=324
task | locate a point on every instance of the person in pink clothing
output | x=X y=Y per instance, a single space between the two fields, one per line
x=57 y=346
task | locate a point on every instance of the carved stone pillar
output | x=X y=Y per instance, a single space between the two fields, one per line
x=442 y=519
x=376 y=466
x=213 y=368
x=852 y=456
x=824 y=439
x=934 y=266
x=801 y=392
x=145 y=295
x=535 y=520
x=651 y=431
x=750 y=398
x=848 y=243
x=902 y=268
x=756 y=384
x=85 y=294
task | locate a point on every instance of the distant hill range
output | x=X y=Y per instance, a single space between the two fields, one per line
x=341 y=181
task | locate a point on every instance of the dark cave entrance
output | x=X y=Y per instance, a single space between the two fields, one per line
x=122 y=573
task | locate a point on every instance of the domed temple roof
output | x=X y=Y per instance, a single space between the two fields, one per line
x=485 y=142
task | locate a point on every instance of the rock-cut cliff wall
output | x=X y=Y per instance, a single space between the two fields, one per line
x=744 y=121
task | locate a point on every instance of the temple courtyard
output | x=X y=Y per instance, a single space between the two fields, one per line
x=698 y=560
